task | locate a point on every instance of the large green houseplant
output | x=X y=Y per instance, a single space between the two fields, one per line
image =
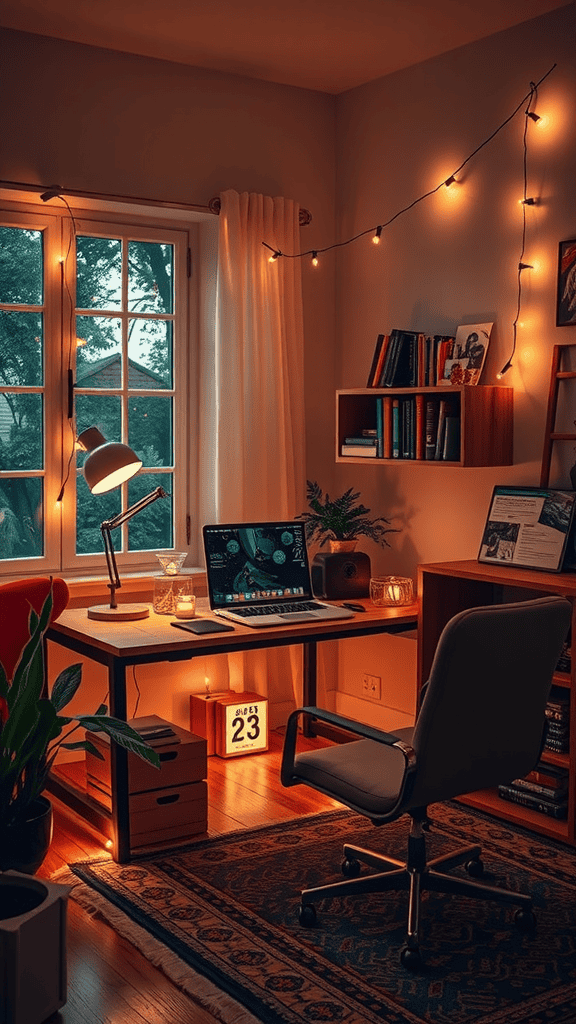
x=341 y=519
x=33 y=729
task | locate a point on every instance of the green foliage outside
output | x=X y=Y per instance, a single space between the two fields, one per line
x=98 y=357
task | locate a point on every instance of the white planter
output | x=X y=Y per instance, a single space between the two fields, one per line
x=32 y=948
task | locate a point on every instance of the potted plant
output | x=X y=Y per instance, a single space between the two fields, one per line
x=339 y=522
x=32 y=731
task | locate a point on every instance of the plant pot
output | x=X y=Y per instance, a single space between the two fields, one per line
x=24 y=845
x=339 y=546
x=32 y=948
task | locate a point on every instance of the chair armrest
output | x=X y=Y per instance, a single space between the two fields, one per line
x=348 y=724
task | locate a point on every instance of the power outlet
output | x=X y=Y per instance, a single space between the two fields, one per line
x=371 y=687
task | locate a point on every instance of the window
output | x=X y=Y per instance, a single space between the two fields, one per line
x=94 y=322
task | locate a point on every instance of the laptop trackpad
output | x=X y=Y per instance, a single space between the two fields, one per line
x=297 y=616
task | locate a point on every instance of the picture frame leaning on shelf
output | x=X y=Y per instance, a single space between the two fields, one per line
x=466 y=361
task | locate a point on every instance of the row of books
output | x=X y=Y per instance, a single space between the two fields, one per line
x=405 y=359
x=413 y=427
x=545 y=789
x=558 y=721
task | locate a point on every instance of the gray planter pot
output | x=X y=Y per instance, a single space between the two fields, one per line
x=32 y=948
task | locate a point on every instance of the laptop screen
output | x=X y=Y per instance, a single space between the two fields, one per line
x=252 y=563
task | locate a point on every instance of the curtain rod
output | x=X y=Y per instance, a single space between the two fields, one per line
x=213 y=206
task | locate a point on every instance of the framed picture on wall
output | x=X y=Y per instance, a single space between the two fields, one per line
x=566 y=301
x=528 y=527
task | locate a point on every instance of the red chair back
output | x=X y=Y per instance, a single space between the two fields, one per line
x=15 y=601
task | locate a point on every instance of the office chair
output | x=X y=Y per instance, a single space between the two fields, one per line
x=481 y=723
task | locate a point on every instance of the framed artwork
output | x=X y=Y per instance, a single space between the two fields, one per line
x=464 y=362
x=528 y=527
x=566 y=300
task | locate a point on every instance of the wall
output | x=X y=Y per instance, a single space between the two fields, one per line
x=453 y=259
x=103 y=121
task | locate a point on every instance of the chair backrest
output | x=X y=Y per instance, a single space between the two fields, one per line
x=15 y=601
x=482 y=718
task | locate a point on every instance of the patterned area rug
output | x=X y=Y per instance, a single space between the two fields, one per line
x=220 y=917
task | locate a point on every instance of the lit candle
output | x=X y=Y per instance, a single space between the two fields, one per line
x=186 y=607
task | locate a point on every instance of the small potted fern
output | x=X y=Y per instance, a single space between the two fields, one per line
x=340 y=521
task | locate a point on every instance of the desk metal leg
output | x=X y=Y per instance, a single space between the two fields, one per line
x=309 y=679
x=119 y=767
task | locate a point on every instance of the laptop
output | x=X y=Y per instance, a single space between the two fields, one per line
x=258 y=574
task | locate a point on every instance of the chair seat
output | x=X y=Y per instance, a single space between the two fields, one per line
x=363 y=773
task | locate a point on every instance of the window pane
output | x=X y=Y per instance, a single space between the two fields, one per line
x=21 y=521
x=102 y=411
x=150 y=353
x=150 y=277
x=21 y=431
x=21 y=266
x=98 y=352
x=150 y=430
x=21 y=347
x=151 y=529
x=92 y=509
x=99 y=273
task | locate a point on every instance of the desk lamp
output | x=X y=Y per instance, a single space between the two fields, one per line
x=108 y=465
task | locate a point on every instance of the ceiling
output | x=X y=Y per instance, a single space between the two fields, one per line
x=328 y=45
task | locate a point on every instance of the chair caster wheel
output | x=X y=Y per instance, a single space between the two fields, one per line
x=351 y=867
x=411 y=959
x=307 y=915
x=475 y=868
x=525 y=919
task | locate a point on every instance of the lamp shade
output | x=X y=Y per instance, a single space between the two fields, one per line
x=109 y=463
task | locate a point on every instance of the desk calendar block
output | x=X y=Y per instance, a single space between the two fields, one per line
x=241 y=724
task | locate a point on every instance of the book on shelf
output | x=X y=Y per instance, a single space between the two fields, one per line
x=431 y=427
x=419 y=426
x=387 y=426
x=362 y=450
x=378 y=360
x=446 y=409
x=553 y=808
x=400 y=366
x=395 y=428
x=557 y=746
x=364 y=439
x=549 y=775
x=451 y=449
x=554 y=793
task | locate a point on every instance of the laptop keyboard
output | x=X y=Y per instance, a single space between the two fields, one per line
x=278 y=609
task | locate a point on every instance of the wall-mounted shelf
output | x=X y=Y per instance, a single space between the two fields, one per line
x=484 y=415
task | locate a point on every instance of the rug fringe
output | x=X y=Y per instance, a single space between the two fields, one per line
x=194 y=985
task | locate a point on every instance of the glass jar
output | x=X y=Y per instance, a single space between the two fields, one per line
x=387 y=591
x=172 y=586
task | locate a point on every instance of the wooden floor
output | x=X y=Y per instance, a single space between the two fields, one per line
x=109 y=982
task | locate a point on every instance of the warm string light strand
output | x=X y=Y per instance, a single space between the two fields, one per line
x=54 y=193
x=376 y=232
x=530 y=115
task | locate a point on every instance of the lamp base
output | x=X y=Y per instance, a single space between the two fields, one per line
x=123 y=613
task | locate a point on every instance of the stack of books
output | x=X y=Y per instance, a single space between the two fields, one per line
x=364 y=444
x=544 y=789
x=558 y=721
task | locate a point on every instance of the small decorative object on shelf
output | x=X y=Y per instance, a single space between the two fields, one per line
x=386 y=591
x=173 y=586
x=185 y=607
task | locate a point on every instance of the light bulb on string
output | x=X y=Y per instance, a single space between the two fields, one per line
x=314 y=259
x=450 y=181
x=376 y=235
x=504 y=370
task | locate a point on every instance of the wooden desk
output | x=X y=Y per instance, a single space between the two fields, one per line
x=446 y=588
x=118 y=645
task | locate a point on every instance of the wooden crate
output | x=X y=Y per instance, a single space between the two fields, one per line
x=167 y=803
x=203 y=716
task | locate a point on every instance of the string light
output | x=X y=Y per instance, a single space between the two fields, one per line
x=377 y=233
x=53 y=192
x=446 y=182
x=525 y=201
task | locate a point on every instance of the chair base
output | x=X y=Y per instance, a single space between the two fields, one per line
x=415 y=876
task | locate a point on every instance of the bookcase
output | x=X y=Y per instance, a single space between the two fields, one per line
x=446 y=588
x=484 y=415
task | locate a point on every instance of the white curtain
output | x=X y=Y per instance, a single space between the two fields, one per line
x=252 y=444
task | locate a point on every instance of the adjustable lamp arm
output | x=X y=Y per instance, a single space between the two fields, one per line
x=112 y=524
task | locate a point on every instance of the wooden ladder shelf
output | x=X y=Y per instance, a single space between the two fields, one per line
x=557 y=375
